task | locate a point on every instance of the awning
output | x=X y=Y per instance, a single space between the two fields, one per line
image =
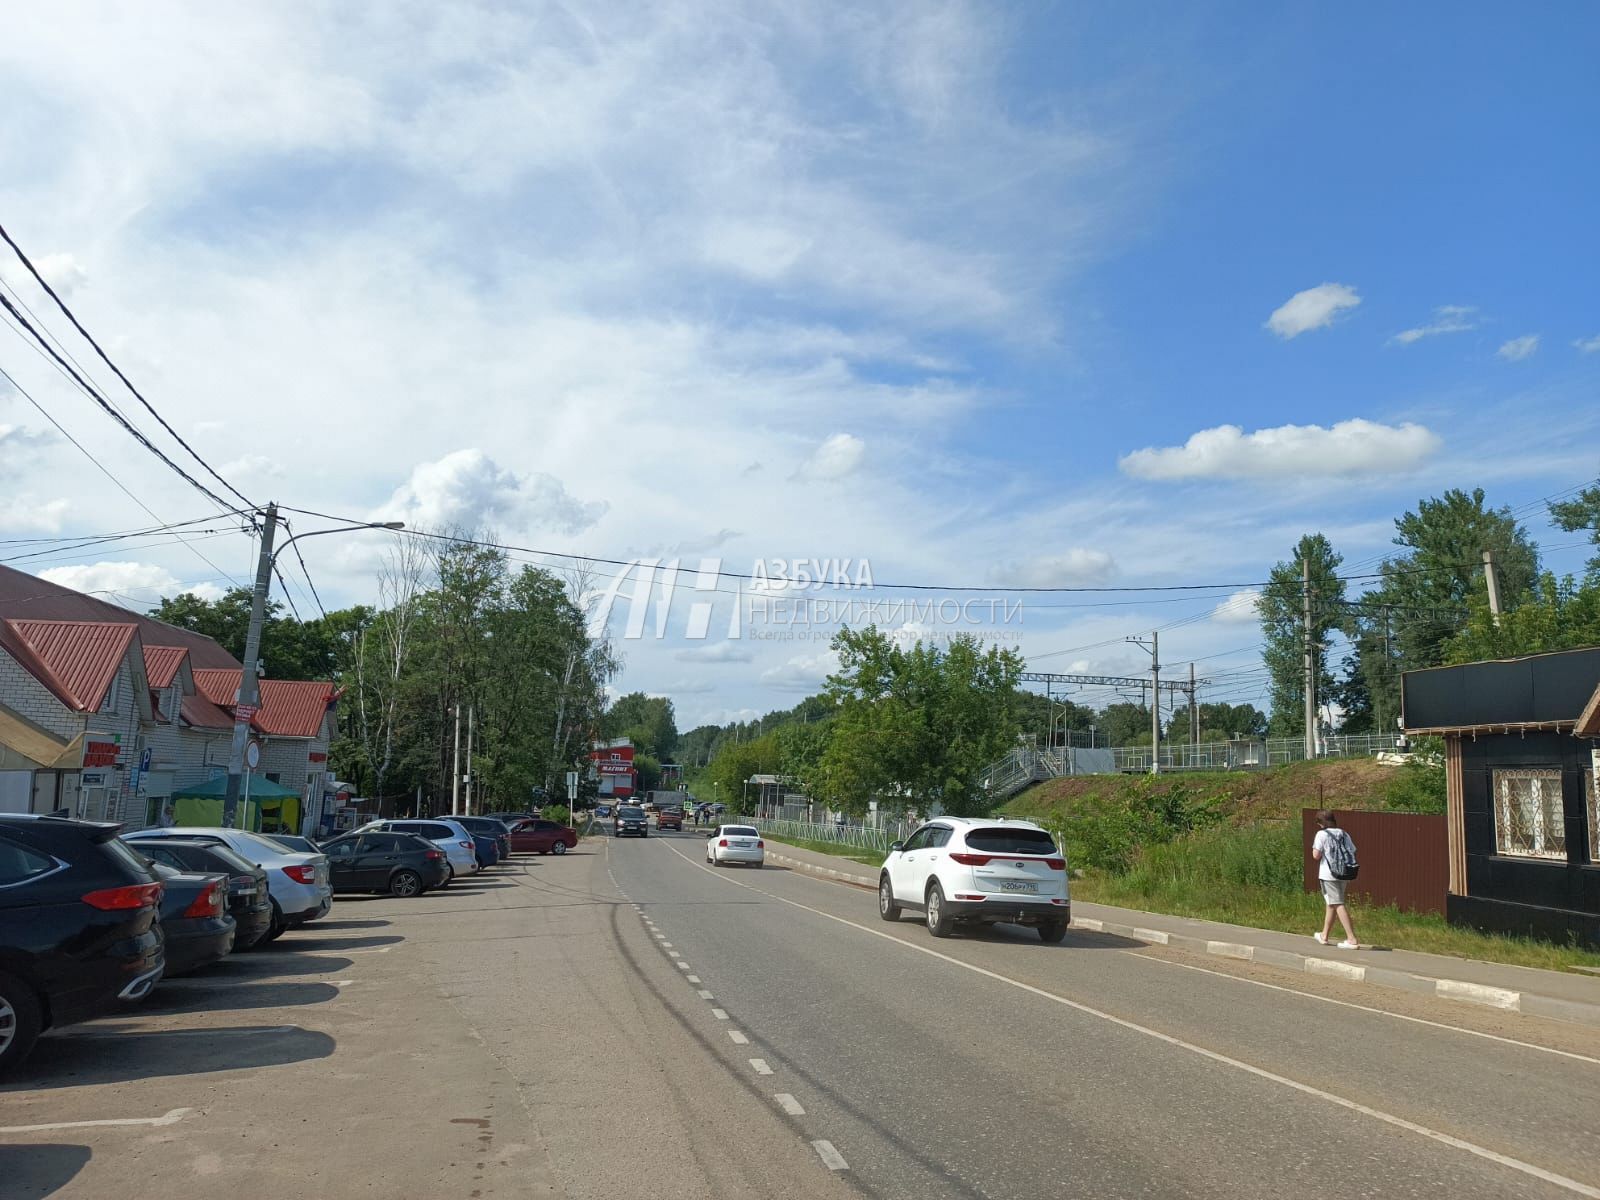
x=26 y=747
x=261 y=788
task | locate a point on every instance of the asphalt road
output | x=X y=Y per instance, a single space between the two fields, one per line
x=625 y=1021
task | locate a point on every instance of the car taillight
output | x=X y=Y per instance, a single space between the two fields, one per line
x=301 y=874
x=760 y=845
x=465 y=845
x=433 y=855
x=723 y=842
x=134 y=895
x=1056 y=864
x=972 y=860
x=207 y=904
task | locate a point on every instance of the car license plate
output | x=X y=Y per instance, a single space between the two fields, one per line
x=744 y=845
x=1018 y=886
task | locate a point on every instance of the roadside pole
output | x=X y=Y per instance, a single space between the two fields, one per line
x=1155 y=703
x=1310 y=659
x=248 y=696
x=1493 y=581
x=468 y=809
x=455 y=770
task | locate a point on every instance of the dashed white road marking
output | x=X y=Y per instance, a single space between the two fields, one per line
x=720 y=1014
x=171 y=1118
x=681 y=965
x=705 y=993
x=1306 y=1089
x=694 y=979
x=830 y=1157
x=673 y=954
x=737 y=1038
x=789 y=1104
x=760 y=1065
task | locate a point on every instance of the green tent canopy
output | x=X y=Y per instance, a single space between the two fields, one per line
x=271 y=808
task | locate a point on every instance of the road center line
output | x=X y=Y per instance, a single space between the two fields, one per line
x=737 y=1038
x=720 y=1014
x=171 y=1118
x=830 y=1157
x=705 y=993
x=789 y=1104
x=760 y=1066
x=1494 y=1156
x=695 y=979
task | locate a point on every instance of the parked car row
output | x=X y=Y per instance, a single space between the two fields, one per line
x=90 y=916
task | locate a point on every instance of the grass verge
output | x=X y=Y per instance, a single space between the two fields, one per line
x=853 y=853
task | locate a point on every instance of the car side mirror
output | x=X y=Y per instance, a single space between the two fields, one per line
x=896 y=847
x=711 y=834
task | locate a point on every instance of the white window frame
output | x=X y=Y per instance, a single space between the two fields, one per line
x=1591 y=793
x=1531 y=812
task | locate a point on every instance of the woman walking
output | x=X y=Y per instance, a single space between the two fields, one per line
x=1335 y=853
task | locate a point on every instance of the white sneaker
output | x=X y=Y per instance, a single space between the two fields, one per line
x=1321 y=939
x=1349 y=945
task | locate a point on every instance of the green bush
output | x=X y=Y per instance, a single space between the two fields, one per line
x=1418 y=786
x=1109 y=832
x=557 y=813
x=1223 y=859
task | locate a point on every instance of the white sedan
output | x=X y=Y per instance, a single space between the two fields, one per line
x=735 y=844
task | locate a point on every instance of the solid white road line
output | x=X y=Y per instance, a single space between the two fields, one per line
x=171 y=1118
x=760 y=1066
x=705 y=993
x=720 y=1014
x=737 y=1038
x=789 y=1104
x=830 y=1157
x=1494 y=1156
x=1493 y=1037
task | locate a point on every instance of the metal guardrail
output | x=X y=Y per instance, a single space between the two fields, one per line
x=859 y=837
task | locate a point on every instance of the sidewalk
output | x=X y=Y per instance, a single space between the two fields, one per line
x=1559 y=995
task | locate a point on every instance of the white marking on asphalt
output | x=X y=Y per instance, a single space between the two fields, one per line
x=694 y=979
x=171 y=1118
x=673 y=954
x=760 y=1066
x=681 y=965
x=1493 y=1037
x=737 y=1038
x=704 y=994
x=830 y=1157
x=720 y=1014
x=1494 y=1156
x=789 y=1104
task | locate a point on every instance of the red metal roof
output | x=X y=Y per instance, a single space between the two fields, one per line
x=202 y=714
x=161 y=664
x=78 y=659
x=24 y=596
x=288 y=707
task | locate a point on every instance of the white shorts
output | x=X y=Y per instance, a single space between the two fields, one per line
x=1333 y=891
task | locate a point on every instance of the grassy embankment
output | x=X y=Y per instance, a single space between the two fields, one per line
x=1225 y=846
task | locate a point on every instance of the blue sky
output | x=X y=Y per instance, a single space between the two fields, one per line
x=913 y=282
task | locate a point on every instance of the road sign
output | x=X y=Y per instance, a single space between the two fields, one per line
x=252 y=755
x=245 y=712
x=572 y=785
x=144 y=759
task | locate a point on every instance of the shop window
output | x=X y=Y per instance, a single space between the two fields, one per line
x=1527 y=813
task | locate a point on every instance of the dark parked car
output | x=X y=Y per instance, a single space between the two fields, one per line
x=490 y=827
x=79 y=927
x=249 y=901
x=194 y=918
x=401 y=864
x=631 y=819
x=543 y=837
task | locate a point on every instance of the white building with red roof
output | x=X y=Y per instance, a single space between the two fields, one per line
x=105 y=712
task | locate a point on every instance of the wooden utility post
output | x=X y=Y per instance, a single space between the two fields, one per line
x=1310 y=658
x=1492 y=579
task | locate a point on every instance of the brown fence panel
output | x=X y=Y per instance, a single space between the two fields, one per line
x=1405 y=857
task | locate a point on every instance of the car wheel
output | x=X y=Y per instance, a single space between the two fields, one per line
x=275 y=927
x=559 y=848
x=887 y=908
x=939 y=922
x=405 y=884
x=1053 y=932
x=20 y=1021
x=644 y=833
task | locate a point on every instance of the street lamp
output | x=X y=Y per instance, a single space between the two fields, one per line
x=249 y=682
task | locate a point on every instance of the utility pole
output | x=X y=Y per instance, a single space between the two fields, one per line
x=469 y=759
x=1154 y=646
x=455 y=770
x=1491 y=578
x=1310 y=657
x=249 y=694
x=1194 y=718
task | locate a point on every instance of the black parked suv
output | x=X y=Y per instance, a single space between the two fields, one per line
x=78 y=927
x=249 y=901
x=402 y=864
x=631 y=819
x=490 y=827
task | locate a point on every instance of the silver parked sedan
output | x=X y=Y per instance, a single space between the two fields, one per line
x=735 y=844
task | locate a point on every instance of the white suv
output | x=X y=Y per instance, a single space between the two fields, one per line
x=986 y=871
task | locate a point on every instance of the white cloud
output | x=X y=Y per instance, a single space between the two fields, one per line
x=17 y=442
x=1448 y=318
x=1588 y=345
x=62 y=272
x=1355 y=447
x=1312 y=309
x=802 y=672
x=1519 y=348
x=24 y=514
x=717 y=652
x=1241 y=608
x=838 y=456
x=254 y=466
x=467 y=489
x=130 y=582
x=1078 y=567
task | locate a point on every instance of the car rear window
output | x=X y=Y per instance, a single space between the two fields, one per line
x=19 y=864
x=427 y=829
x=263 y=845
x=740 y=831
x=995 y=840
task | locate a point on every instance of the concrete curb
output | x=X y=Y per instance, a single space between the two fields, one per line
x=1504 y=999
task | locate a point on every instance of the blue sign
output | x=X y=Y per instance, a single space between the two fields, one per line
x=144 y=760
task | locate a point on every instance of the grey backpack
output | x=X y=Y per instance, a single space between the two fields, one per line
x=1341 y=855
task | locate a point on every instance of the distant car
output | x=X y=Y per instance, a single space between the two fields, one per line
x=669 y=818
x=194 y=918
x=402 y=864
x=491 y=827
x=249 y=901
x=602 y=811
x=446 y=833
x=736 y=844
x=297 y=883
x=719 y=808
x=79 y=927
x=968 y=870
x=511 y=818
x=303 y=845
x=630 y=821
x=543 y=837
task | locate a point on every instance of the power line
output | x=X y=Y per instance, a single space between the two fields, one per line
x=117 y=371
x=306 y=571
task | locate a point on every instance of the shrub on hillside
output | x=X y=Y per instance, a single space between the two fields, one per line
x=1223 y=858
x=1109 y=831
x=1418 y=786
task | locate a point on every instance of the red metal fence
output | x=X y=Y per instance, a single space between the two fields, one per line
x=1405 y=858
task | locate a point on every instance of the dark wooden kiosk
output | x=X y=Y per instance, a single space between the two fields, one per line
x=1522 y=744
